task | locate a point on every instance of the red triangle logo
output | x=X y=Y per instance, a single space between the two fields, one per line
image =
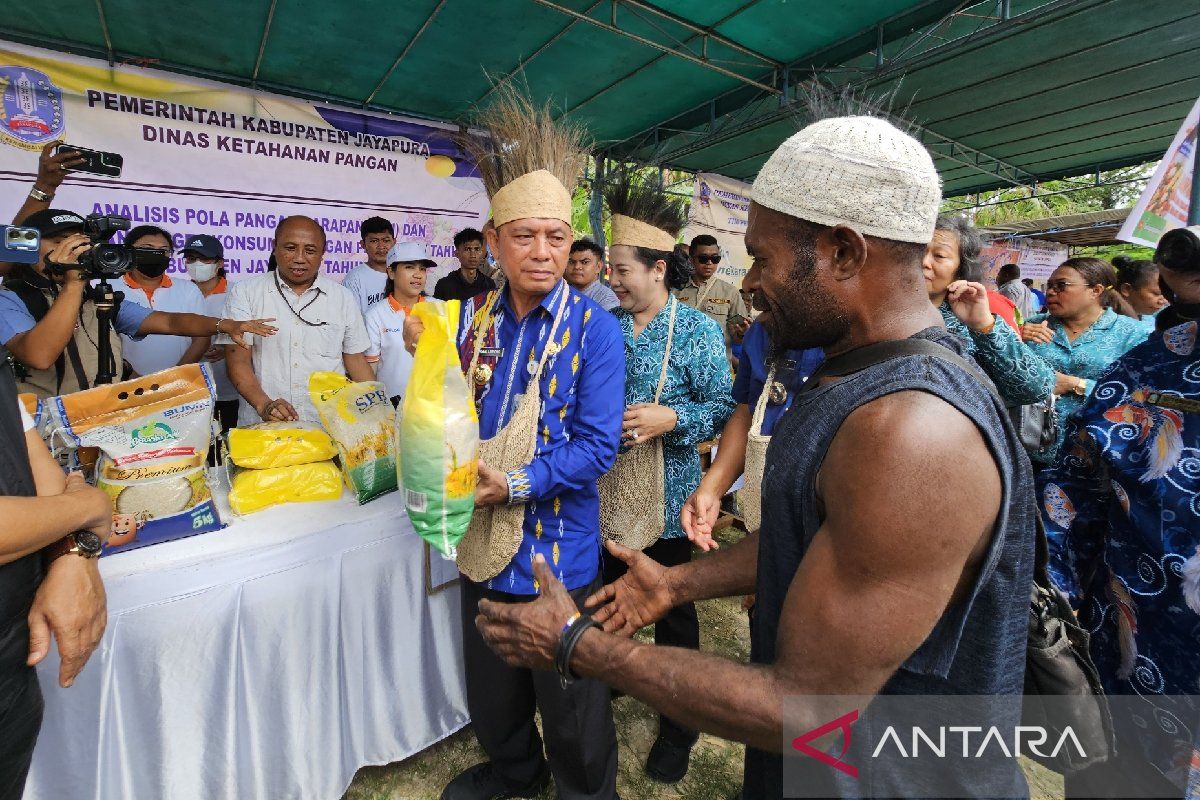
x=843 y=723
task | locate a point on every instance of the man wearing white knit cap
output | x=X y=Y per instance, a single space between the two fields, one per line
x=896 y=549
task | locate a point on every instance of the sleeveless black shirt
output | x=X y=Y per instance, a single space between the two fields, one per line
x=978 y=646
x=18 y=579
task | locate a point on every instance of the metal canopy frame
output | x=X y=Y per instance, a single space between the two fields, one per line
x=681 y=48
x=748 y=90
x=747 y=115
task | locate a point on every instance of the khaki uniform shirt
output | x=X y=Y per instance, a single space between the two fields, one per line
x=719 y=299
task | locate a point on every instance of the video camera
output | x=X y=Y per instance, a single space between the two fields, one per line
x=105 y=260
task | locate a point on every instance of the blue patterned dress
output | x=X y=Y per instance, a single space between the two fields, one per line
x=1020 y=376
x=698 y=388
x=1122 y=514
x=1109 y=338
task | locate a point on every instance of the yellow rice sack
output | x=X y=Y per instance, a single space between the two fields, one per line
x=439 y=434
x=360 y=419
x=255 y=489
x=279 y=444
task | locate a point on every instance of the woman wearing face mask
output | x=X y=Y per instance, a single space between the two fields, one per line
x=407 y=266
x=1080 y=335
x=677 y=394
x=1137 y=283
x=952 y=275
x=204 y=257
x=1123 y=524
x=148 y=285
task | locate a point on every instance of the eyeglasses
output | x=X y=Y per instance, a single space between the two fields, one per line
x=709 y=259
x=1061 y=286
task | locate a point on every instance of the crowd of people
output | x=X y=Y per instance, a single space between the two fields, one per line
x=864 y=381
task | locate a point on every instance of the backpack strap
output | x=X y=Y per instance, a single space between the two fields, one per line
x=869 y=355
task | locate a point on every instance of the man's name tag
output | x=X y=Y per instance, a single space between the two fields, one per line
x=491 y=352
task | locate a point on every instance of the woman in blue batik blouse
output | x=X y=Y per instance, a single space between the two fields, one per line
x=1122 y=512
x=952 y=275
x=1080 y=335
x=677 y=387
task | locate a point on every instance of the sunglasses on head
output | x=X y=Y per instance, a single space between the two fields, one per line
x=709 y=259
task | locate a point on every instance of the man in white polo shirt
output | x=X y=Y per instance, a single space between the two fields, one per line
x=320 y=329
x=151 y=287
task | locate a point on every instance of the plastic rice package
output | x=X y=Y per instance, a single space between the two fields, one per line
x=33 y=407
x=279 y=444
x=439 y=434
x=153 y=435
x=255 y=489
x=360 y=419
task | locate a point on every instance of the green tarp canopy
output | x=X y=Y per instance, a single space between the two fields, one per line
x=1005 y=92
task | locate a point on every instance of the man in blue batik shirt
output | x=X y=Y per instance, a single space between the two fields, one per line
x=582 y=394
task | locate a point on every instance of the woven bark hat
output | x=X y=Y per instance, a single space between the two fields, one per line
x=859 y=171
x=529 y=161
x=643 y=213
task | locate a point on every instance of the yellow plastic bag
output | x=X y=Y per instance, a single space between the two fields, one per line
x=279 y=444
x=360 y=419
x=255 y=489
x=439 y=434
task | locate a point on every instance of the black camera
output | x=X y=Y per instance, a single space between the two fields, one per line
x=106 y=260
x=1179 y=250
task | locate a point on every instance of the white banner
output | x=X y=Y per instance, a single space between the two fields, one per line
x=720 y=207
x=1164 y=203
x=202 y=157
x=1037 y=258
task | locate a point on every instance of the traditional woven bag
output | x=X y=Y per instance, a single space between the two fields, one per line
x=496 y=532
x=633 y=494
x=750 y=496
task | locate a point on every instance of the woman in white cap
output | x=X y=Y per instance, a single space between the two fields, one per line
x=407 y=265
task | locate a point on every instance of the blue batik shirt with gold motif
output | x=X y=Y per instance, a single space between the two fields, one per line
x=582 y=390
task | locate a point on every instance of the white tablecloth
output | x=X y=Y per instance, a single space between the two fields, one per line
x=268 y=660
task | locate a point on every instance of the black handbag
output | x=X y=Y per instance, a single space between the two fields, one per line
x=1062 y=684
x=1036 y=424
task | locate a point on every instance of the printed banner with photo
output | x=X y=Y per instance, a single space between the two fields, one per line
x=720 y=207
x=202 y=157
x=1036 y=258
x=1164 y=203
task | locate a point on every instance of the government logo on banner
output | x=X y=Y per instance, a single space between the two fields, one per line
x=31 y=108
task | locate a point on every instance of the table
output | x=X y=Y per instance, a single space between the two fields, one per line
x=270 y=660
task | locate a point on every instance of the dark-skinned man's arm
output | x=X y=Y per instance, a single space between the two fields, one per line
x=905 y=528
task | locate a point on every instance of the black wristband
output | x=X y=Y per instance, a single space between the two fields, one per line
x=566 y=646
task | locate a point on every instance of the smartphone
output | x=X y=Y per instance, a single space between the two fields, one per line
x=95 y=162
x=19 y=245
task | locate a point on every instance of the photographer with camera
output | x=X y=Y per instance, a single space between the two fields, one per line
x=51 y=316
